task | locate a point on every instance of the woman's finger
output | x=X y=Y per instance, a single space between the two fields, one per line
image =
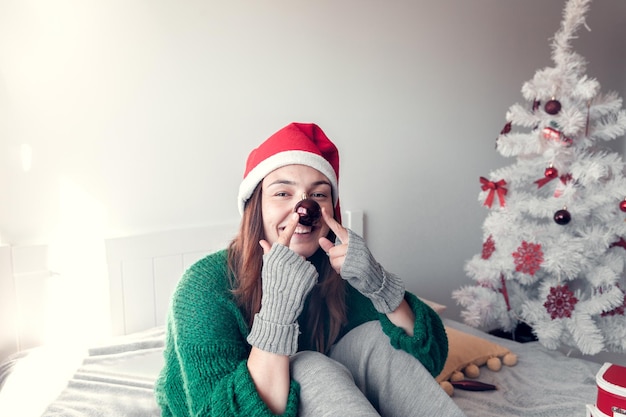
x=338 y=229
x=336 y=253
x=284 y=238
x=326 y=244
x=265 y=245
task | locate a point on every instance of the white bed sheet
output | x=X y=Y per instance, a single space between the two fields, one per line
x=31 y=380
x=114 y=379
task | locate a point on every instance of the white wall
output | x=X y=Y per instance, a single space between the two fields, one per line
x=147 y=110
x=8 y=305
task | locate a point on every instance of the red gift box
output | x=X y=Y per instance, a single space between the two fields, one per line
x=611 y=399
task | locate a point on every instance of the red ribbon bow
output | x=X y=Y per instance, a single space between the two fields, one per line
x=493 y=187
x=543 y=181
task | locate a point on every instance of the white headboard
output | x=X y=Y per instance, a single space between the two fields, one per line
x=143 y=271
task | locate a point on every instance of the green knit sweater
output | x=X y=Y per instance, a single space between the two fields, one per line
x=205 y=371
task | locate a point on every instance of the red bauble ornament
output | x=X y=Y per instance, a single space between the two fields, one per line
x=552 y=107
x=562 y=217
x=622 y=205
x=548 y=175
x=309 y=212
x=551 y=172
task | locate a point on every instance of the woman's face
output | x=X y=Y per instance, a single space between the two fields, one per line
x=281 y=191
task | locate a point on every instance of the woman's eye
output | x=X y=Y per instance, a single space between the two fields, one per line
x=318 y=195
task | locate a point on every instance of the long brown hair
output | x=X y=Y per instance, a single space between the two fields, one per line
x=326 y=304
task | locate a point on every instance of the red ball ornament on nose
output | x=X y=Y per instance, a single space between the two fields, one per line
x=309 y=211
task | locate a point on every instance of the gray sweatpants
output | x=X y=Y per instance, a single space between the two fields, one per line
x=365 y=376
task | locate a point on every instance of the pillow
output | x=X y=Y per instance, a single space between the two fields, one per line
x=439 y=308
x=467 y=352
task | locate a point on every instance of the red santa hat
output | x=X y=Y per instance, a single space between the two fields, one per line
x=296 y=143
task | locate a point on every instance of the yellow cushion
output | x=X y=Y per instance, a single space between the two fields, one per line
x=465 y=349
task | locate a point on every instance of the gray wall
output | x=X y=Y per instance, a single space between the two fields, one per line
x=140 y=113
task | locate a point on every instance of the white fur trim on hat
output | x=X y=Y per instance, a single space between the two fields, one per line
x=281 y=159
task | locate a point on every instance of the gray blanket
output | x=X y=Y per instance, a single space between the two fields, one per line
x=544 y=383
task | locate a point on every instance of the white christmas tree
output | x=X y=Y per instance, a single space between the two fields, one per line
x=554 y=240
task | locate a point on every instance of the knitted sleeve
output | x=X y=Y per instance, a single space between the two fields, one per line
x=205 y=371
x=429 y=343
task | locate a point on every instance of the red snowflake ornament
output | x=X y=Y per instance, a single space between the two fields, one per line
x=528 y=258
x=489 y=246
x=560 y=302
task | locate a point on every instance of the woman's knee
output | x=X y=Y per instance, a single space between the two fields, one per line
x=361 y=342
x=327 y=388
x=309 y=364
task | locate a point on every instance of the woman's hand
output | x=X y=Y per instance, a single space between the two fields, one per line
x=354 y=262
x=336 y=253
x=284 y=238
x=363 y=272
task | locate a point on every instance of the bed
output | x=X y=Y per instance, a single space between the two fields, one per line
x=116 y=377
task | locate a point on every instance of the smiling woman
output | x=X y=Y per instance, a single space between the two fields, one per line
x=298 y=319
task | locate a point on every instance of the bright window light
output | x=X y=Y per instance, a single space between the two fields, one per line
x=26 y=154
x=78 y=310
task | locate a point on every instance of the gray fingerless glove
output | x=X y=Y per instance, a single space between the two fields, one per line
x=287 y=278
x=360 y=269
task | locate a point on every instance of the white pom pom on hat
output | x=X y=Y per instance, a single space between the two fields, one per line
x=296 y=143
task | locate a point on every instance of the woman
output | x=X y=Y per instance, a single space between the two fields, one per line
x=296 y=319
